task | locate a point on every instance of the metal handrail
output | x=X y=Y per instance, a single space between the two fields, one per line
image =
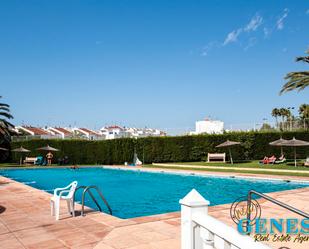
x=92 y=197
x=87 y=189
x=279 y=203
x=94 y=200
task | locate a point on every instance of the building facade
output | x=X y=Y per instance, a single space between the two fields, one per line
x=208 y=126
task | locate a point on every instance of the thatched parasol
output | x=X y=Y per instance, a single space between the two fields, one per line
x=278 y=143
x=228 y=144
x=21 y=150
x=48 y=148
x=295 y=143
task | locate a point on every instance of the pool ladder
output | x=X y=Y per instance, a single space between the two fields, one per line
x=87 y=190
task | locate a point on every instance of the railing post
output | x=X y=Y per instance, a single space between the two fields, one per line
x=193 y=203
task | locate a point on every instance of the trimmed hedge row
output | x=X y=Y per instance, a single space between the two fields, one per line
x=254 y=145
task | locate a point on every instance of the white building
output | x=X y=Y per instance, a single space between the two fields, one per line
x=59 y=131
x=134 y=132
x=35 y=132
x=88 y=134
x=114 y=131
x=149 y=132
x=208 y=126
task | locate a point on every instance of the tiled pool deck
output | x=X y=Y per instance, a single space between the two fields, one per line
x=25 y=222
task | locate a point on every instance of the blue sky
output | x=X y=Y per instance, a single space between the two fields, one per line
x=157 y=63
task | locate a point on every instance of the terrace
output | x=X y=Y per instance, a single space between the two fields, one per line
x=24 y=225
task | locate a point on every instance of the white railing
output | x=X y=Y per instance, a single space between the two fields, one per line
x=201 y=231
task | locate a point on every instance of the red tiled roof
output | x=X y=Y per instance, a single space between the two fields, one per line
x=89 y=131
x=36 y=131
x=62 y=130
x=113 y=127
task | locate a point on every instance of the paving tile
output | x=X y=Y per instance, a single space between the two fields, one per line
x=78 y=241
x=166 y=244
x=25 y=225
x=8 y=241
x=3 y=229
x=102 y=234
x=142 y=246
x=103 y=246
x=176 y=223
x=31 y=236
x=123 y=241
x=46 y=244
x=147 y=237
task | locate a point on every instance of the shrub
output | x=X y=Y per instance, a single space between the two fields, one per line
x=254 y=145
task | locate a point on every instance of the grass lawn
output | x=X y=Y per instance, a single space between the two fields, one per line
x=227 y=167
x=10 y=165
x=248 y=164
x=221 y=169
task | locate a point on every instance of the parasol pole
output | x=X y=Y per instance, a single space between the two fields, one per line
x=230 y=155
x=295 y=155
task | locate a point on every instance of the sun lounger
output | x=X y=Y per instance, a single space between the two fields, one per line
x=306 y=162
x=280 y=160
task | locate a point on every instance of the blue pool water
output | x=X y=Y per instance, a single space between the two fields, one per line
x=135 y=193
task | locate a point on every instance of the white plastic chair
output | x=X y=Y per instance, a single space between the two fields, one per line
x=55 y=199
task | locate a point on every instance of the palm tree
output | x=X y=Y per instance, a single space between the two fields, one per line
x=276 y=113
x=5 y=126
x=297 y=80
x=284 y=113
x=304 y=114
x=281 y=114
x=288 y=115
x=304 y=111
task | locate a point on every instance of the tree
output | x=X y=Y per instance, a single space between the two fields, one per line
x=297 y=80
x=276 y=113
x=304 y=114
x=6 y=128
x=287 y=113
x=284 y=113
x=304 y=111
x=266 y=127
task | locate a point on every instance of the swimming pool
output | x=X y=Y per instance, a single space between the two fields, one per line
x=136 y=193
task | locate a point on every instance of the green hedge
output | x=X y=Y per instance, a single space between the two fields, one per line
x=166 y=149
